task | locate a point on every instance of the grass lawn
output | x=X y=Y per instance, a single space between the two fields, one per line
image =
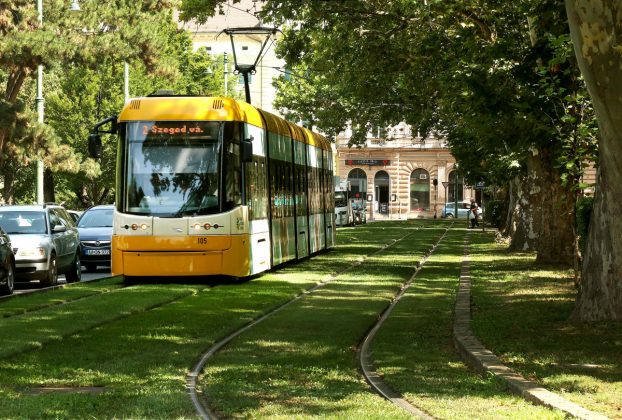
x=140 y=360
x=414 y=350
x=521 y=313
x=125 y=352
x=302 y=361
x=19 y=304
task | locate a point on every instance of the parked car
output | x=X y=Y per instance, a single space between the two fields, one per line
x=463 y=210
x=75 y=215
x=95 y=227
x=45 y=242
x=7 y=265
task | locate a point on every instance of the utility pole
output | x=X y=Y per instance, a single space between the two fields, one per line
x=40 y=109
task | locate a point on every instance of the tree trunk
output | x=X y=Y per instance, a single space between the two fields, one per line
x=508 y=226
x=525 y=217
x=555 y=205
x=543 y=213
x=7 y=192
x=595 y=29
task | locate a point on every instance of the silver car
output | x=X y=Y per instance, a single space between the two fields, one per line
x=45 y=242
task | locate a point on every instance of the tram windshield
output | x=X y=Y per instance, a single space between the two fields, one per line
x=172 y=168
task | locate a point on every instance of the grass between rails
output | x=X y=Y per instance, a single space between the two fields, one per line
x=19 y=304
x=414 y=352
x=33 y=330
x=141 y=360
x=302 y=362
x=521 y=313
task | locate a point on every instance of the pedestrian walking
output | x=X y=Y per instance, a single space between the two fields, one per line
x=473 y=213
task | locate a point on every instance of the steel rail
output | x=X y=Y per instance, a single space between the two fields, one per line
x=366 y=364
x=191 y=379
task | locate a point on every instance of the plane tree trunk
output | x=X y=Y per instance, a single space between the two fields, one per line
x=595 y=27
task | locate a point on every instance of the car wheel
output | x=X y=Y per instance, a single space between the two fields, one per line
x=449 y=216
x=75 y=274
x=52 y=275
x=8 y=287
x=90 y=266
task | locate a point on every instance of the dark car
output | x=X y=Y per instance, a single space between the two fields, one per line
x=95 y=227
x=7 y=265
x=45 y=242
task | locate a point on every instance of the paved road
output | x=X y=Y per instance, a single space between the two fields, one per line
x=102 y=271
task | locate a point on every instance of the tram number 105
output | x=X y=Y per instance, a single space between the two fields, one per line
x=202 y=241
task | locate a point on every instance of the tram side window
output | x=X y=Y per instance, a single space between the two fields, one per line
x=314 y=191
x=301 y=192
x=256 y=190
x=276 y=189
x=233 y=179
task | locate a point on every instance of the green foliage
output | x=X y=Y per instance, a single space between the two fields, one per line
x=99 y=34
x=83 y=84
x=497 y=80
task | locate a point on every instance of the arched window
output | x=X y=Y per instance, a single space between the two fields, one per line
x=419 y=190
x=451 y=187
x=358 y=182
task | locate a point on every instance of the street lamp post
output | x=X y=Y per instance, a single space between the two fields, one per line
x=456 y=191
x=246 y=63
x=75 y=7
x=226 y=71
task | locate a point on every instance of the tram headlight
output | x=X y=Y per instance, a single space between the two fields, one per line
x=197 y=226
x=207 y=226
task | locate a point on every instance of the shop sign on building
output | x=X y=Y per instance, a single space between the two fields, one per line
x=369 y=162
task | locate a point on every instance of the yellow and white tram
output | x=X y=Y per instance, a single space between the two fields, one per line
x=209 y=186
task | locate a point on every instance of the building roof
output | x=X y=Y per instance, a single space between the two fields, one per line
x=240 y=14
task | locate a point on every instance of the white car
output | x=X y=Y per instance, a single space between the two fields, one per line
x=45 y=242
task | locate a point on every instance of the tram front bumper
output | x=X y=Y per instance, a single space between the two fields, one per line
x=150 y=258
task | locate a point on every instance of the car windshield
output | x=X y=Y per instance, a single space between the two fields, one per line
x=96 y=218
x=18 y=222
x=172 y=168
x=340 y=199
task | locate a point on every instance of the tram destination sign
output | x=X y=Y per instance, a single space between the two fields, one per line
x=368 y=162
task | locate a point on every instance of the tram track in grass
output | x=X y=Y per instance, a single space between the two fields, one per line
x=364 y=350
x=428 y=372
x=397 y=269
x=135 y=366
x=15 y=305
x=50 y=323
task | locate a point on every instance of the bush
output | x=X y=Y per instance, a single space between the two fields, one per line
x=583 y=213
x=495 y=212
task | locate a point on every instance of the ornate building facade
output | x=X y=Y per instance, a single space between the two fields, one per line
x=401 y=176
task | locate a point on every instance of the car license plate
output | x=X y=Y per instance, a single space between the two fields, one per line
x=97 y=252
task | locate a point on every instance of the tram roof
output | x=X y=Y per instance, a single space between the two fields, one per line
x=197 y=108
x=189 y=108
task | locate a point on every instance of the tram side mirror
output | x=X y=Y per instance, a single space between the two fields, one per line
x=247 y=150
x=95 y=146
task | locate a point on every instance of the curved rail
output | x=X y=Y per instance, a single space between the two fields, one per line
x=372 y=377
x=191 y=379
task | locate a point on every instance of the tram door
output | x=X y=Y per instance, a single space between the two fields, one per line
x=381 y=181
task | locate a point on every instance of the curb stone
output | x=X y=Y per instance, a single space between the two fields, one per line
x=483 y=360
